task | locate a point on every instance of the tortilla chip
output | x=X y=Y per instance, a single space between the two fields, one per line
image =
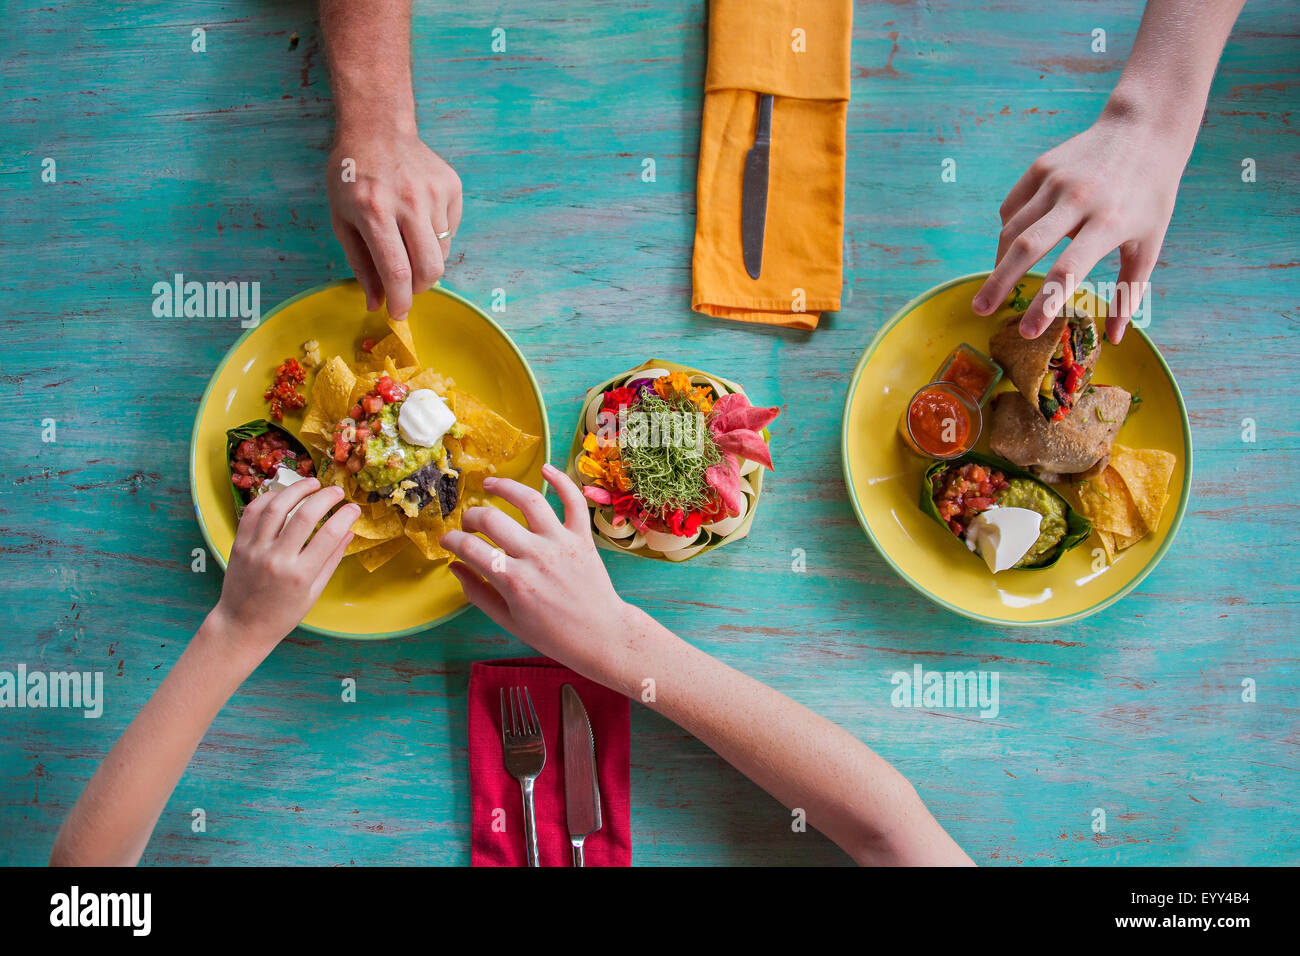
x=402 y=332
x=487 y=435
x=317 y=431
x=428 y=378
x=1107 y=542
x=1106 y=502
x=383 y=526
x=389 y=349
x=425 y=529
x=1146 y=472
x=331 y=474
x=359 y=544
x=1123 y=541
x=331 y=392
x=364 y=385
x=372 y=559
x=465 y=462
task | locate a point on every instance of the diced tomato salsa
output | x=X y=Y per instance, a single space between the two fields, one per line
x=939 y=423
x=963 y=493
x=256 y=461
x=968 y=372
x=283 y=393
x=352 y=433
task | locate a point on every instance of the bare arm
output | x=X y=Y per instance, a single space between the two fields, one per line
x=272 y=581
x=1114 y=185
x=390 y=195
x=552 y=591
x=850 y=793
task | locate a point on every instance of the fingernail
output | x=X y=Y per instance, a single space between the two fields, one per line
x=397 y=317
x=980 y=304
x=489 y=480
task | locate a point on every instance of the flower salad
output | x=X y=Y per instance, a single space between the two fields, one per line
x=670 y=460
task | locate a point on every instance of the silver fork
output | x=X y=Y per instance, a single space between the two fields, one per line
x=525 y=750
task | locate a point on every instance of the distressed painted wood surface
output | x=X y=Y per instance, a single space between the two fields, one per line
x=211 y=164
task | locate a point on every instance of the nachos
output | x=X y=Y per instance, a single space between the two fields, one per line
x=405 y=444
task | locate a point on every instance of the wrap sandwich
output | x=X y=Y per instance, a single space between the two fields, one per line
x=1053 y=370
x=1078 y=446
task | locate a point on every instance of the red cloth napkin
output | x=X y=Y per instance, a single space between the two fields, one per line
x=492 y=789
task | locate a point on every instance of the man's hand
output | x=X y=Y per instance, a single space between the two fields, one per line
x=391 y=197
x=404 y=196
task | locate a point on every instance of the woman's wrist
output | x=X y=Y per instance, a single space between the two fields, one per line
x=234 y=647
x=634 y=646
x=1140 y=105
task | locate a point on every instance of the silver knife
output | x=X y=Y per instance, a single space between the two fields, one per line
x=581 y=788
x=753 y=196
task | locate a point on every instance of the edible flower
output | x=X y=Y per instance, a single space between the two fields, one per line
x=617 y=398
x=601 y=461
x=737 y=426
x=679 y=383
x=684 y=525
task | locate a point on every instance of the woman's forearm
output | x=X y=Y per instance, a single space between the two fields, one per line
x=115 y=815
x=848 y=792
x=368 y=49
x=1166 y=80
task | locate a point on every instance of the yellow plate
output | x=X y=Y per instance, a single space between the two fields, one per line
x=452 y=336
x=884 y=477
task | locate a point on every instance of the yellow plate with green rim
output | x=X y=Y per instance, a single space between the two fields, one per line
x=452 y=336
x=884 y=477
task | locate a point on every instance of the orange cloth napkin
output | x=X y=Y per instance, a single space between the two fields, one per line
x=754 y=48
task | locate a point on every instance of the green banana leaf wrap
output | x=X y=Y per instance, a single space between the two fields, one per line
x=1077 y=527
x=253 y=429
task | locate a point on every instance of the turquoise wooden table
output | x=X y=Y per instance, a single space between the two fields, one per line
x=211 y=164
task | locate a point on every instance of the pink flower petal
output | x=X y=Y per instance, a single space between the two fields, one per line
x=746 y=444
x=598 y=494
x=734 y=411
x=724 y=478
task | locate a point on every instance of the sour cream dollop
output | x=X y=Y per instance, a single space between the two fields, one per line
x=424 y=418
x=283 y=478
x=1002 y=536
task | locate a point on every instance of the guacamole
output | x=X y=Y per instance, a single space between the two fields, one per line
x=1023 y=493
x=389 y=459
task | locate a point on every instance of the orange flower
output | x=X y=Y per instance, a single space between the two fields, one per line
x=601 y=462
x=674 y=383
x=679 y=384
x=702 y=397
x=619 y=481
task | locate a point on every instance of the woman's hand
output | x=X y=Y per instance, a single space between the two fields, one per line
x=545 y=583
x=275 y=574
x=1112 y=186
x=390 y=198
